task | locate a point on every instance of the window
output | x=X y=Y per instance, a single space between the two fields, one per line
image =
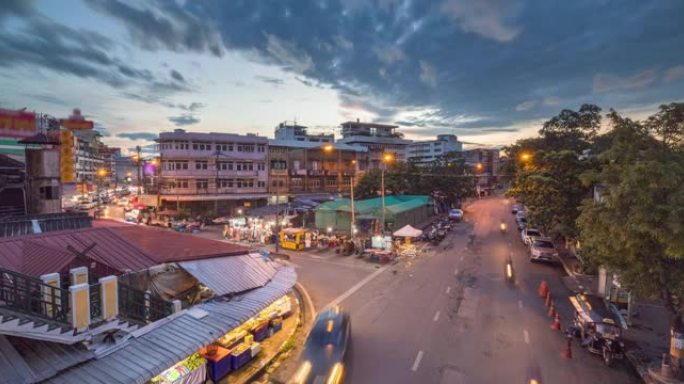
x=49 y=193
x=261 y=166
x=200 y=165
x=230 y=147
x=262 y=148
x=208 y=147
x=261 y=184
x=201 y=147
x=226 y=165
x=194 y=146
x=226 y=183
x=223 y=147
x=278 y=164
x=179 y=183
x=281 y=183
x=274 y=183
x=202 y=183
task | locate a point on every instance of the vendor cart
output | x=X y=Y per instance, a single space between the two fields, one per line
x=293 y=238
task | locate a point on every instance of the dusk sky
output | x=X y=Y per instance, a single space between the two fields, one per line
x=489 y=71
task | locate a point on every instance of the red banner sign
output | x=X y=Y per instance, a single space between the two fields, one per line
x=17 y=124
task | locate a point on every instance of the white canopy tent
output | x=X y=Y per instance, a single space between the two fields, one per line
x=408 y=231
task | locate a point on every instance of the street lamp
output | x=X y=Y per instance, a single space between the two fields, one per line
x=386 y=159
x=525 y=157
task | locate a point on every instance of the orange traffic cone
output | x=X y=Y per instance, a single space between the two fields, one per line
x=552 y=310
x=543 y=288
x=566 y=353
x=556 y=326
x=548 y=299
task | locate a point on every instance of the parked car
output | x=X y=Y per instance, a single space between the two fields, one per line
x=456 y=214
x=325 y=351
x=517 y=207
x=529 y=235
x=543 y=249
x=122 y=202
x=521 y=223
x=85 y=205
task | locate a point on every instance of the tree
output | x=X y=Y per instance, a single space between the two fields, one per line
x=572 y=130
x=668 y=124
x=638 y=229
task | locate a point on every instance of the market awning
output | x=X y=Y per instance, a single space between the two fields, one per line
x=408 y=231
x=231 y=274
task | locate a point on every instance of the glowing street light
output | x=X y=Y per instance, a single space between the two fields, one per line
x=328 y=148
x=239 y=211
x=479 y=166
x=525 y=156
x=101 y=172
x=386 y=158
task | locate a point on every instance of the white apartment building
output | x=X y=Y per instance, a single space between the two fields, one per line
x=423 y=153
x=212 y=172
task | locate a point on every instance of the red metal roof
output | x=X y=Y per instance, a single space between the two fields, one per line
x=122 y=248
x=166 y=246
x=47 y=252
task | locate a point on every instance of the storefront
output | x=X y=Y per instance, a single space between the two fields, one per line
x=230 y=352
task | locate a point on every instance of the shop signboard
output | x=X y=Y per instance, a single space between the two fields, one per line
x=76 y=124
x=66 y=163
x=17 y=123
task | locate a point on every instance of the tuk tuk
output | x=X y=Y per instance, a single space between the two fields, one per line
x=597 y=327
x=293 y=238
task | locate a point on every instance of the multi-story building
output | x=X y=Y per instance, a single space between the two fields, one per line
x=212 y=172
x=377 y=138
x=87 y=155
x=485 y=162
x=425 y=152
x=294 y=132
x=307 y=168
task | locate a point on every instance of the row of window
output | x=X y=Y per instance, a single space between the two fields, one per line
x=223 y=183
x=178 y=165
x=230 y=147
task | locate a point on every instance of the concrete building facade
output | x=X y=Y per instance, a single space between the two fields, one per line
x=294 y=132
x=377 y=138
x=212 y=172
x=423 y=153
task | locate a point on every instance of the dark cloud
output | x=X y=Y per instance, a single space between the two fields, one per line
x=177 y=76
x=479 y=59
x=135 y=136
x=270 y=80
x=159 y=100
x=184 y=119
x=43 y=43
x=20 y=8
x=161 y=24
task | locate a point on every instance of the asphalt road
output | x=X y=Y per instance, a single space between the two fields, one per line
x=448 y=316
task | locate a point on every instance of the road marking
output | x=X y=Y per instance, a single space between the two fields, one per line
x=416 y=363
x=436 y=316
x=520 y=304
x=357 y=286
x=461 y=257
x=455 y=271
x=448 y=290
x=526 y=336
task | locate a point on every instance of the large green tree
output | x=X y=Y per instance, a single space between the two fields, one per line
x=638 y=227
x=547 y=169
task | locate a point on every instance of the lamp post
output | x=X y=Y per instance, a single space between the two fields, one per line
x=138 y=159
x=101 y=174
x=386 y=159
x=351 y=193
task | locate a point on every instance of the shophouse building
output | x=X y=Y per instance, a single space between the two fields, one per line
x=294 y=132
x=377 y=138
x=212 y=173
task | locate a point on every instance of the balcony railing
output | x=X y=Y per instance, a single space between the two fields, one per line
x=29 y=295
x=133 y=304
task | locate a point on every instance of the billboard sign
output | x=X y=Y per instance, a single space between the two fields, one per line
x=67 y=166
x=76 y=121
x=17 y=123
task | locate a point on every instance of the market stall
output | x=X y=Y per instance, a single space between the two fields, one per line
x=192 y=370
x=408 y=233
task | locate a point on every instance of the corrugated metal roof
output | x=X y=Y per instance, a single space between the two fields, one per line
x=13 y=369
x=46 y=359
x=166 y=246
x=226 y=275
x=148 y=355
x=36 y=252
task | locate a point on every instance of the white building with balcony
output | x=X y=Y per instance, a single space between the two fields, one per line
x=423 y=153
x=294 y=132
x=212 y=172
x=377 y=138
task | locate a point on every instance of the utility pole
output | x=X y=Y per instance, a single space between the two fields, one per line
x=216 y=165
x=159 y=179
x=139 y=158
x=353 y=213
x=382 y=197
x=339 y=171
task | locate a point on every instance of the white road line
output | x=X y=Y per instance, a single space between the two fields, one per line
x=416 y=363
x=520 y=304
x=436 y=317
x=448 y=290
x=356 y=287
x=526 y=336
x=461 y=257
x=455 y=271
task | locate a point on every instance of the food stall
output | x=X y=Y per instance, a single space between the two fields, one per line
x=192 y=370
x=293 y=238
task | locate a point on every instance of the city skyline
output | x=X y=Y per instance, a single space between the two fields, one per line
x=489 y=73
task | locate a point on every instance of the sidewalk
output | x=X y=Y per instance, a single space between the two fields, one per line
x=646 y=339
